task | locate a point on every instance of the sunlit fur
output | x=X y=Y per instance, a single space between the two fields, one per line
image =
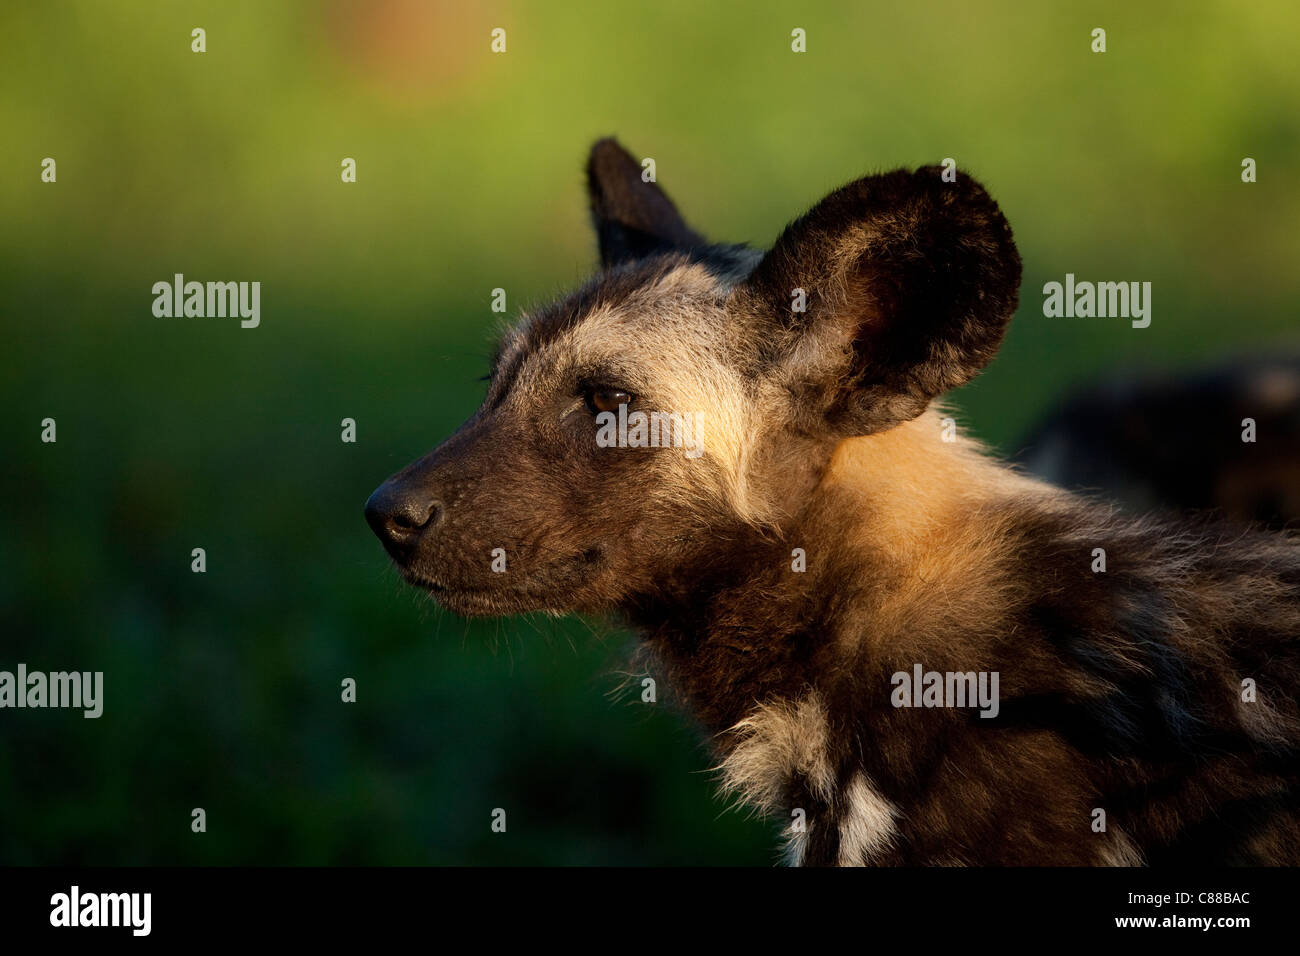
x=1121 y=690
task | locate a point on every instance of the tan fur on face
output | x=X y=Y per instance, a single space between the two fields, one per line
x=680 y=351
x=682 y=354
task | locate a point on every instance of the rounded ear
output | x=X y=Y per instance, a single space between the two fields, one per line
x=633 y=218
x=908 y=283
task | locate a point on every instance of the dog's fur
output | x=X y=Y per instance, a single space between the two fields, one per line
x=1120 y=690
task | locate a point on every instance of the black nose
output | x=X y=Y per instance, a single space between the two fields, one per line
x=399 y=516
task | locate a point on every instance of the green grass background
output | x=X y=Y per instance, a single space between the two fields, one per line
x=222 y=689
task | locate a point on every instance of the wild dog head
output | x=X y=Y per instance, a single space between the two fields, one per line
x=745 y=369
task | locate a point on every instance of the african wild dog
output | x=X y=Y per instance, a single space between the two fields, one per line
x=1120 y=690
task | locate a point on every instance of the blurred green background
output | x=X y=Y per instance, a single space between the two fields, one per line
x=222 y=689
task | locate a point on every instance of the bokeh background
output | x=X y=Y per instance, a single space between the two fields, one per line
x=223 y=688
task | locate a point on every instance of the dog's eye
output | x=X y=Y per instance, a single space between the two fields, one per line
x=603 y=398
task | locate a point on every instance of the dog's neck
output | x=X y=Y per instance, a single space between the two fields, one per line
x=902 y=526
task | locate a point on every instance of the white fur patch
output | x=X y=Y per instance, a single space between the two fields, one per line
x=867 y=826
x=774 y=744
